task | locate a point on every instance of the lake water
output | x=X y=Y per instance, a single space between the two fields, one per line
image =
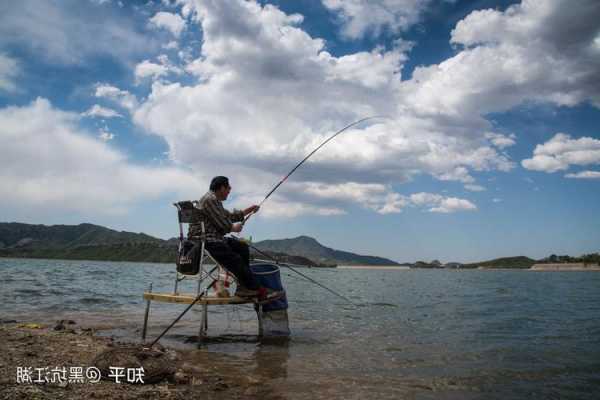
x=419 y=334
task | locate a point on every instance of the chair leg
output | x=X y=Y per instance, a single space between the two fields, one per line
x=146 y=316
x=259 y=313
x=203 y=323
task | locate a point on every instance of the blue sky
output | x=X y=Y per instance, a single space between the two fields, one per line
x=112 y=110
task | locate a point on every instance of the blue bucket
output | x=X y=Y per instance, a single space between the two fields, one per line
x=268 y=276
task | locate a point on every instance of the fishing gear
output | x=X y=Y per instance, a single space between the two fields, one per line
x=303 y=275
x=307 y=157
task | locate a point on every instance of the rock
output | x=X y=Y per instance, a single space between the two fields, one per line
x=191 y=369
x=59 y=325
x=181 y=378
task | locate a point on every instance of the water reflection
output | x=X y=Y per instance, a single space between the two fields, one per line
x=271 y=357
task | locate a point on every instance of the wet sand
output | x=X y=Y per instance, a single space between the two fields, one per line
x=28 y=344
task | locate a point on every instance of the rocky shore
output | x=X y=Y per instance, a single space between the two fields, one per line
x=55 y=362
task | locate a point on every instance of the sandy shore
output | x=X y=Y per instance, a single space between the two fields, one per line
x=38 y=346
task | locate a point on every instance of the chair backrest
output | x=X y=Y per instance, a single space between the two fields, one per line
x=185 y=211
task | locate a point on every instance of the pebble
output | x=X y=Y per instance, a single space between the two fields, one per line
x=181 y=378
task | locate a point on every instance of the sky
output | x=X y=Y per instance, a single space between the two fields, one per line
x=110 y=111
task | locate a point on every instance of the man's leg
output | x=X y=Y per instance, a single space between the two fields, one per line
x=234 y=262
x=243 y=251
x=240 y=248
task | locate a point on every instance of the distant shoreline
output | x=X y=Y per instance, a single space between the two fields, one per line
x=565 y=267
x=575 y=267
x=372 y=267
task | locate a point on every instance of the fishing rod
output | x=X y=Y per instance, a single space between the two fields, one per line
x=303 y=275
x=307 y=157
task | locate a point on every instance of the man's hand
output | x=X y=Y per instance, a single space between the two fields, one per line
x=251 y=209
x=237 y=227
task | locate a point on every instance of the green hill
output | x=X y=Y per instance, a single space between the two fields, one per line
x=65 y=236
x=82 y=242
x=504 y=262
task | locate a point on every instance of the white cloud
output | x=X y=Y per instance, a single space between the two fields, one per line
x=268 y=93
x=120 y=97
x=70 y=32
x=562 y=151
x=73 y=170
x=475 y=188
x=440 y=204
x=291 y=209
x=98 y=111
x=501 y=141
x=105 y=135
x=584 y=175
x=260 y=56
x=453 y=204
x=377 y=197
x=361 y=17
x=148 y=69
x=497 y=200
x=166 y=20
x=171 y=45
x=539 y=50
x=9 y=70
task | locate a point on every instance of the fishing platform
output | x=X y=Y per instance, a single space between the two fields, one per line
x=194 y=262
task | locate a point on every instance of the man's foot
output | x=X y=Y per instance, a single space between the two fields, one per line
x=245 y=292
x=269 y=294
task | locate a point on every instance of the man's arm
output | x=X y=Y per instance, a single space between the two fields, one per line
x=238 y=215
x=251 y=209
x=235 y=215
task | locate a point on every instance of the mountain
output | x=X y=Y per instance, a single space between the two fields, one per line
x=94 y=242
x=505 y=262
x=82 y=242
x=60 y=236
x=308 y=247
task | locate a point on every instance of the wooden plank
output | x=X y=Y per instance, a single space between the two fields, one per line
x=189 y=298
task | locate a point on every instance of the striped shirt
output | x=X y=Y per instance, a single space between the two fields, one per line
x=217 y=220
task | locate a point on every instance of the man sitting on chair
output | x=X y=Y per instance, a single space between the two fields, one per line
x=227 y=251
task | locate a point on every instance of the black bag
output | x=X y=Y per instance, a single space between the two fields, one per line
x=188 y=258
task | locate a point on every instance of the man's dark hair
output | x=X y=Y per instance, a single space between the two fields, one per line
x=217 y=182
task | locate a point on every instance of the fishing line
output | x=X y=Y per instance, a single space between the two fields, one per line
x=304 y=276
